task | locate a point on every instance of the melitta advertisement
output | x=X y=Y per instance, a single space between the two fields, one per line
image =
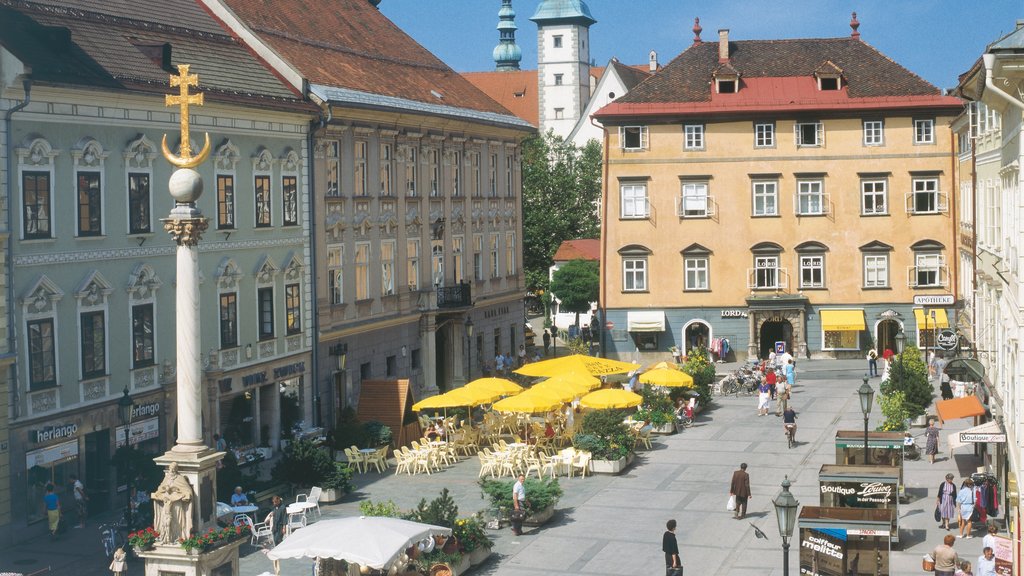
x=858 y=494
x=823 y=552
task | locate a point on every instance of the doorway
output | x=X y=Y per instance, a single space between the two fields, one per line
x=97 y=470
x=696 y=335
x=774 y=331
x=885 y=334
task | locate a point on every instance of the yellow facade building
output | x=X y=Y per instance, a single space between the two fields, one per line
x=765 y=192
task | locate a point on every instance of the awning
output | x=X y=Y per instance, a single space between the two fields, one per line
x=965 y=370
x=988 y=431
x=645 y=321
x=842 y=320
x=940 y=318
x=957 y=408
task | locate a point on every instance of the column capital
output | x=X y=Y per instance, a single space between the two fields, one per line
x=185 y=231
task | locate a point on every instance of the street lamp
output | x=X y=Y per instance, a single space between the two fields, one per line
x=785 y=512
x=867 y=396
x=901 y=343
x=469 y=348
x=125 y=407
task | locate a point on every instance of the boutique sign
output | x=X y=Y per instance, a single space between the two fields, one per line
x=860 y=494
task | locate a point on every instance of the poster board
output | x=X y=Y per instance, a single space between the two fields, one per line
x=844 y=542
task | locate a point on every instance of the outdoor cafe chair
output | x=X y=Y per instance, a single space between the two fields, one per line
x=486 y=465
x=313 y=497
x=581 y=462
x=402 y=462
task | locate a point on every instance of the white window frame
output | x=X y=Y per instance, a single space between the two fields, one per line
x=819 y=134
x=336 y=273
x=437 y=262
x=634 y=274
x=694 y=201
x=812 y=263
x=764 y=135
x=876 y=270
x=558 y=79
x=806 y=195
x=641 y=135
x=928 y=262
x=510 y=253
x=387 y=170
x=696 y=273
x=767 y=197
x=874 y=133
x=478 y=257
x=693 y=136
x=876 y=193
x=361 y=171
x=924 y=131
x=38 y=156
x=361 y=267
x=634 y=203
x=458 y=250
x=767 y=274
x=495 y=262
x=412 y=266
x=928 y=186
x=387 y=267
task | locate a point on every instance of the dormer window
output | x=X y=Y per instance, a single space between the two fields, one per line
x=727 y=79
x=726 y=85
x=829 y=76
x=828 y=83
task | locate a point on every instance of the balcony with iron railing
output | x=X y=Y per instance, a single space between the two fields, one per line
x=457 y=296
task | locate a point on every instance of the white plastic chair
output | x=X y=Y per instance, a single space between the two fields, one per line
x=313 y=496
x=260 y=530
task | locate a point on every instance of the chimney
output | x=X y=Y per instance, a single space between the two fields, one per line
x=1020 y=24
x=696 y=31
x=723 y=45
x=652 y=61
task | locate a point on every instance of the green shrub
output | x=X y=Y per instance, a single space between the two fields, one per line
x=895 y=411
x=304 y=464
x=348 y=431
x=470 y=533
x=603 y=434
x=440 y=511
x=377 y=434
x=657 y=407
x=340 y=479
x=387 y=509
x=698 y=365
x=909 y=374
x=539 y=494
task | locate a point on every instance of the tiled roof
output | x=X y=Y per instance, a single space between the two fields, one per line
x=631 y=75
x=768 y=70
x=516 y=90
x=351 y=45
x=584 y=249
x=111 y=43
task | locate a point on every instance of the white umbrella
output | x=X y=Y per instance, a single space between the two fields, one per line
x=373 y=541
x=224 y=509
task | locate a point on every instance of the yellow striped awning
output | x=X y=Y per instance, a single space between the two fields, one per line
x=940 y=320
x=842 y=320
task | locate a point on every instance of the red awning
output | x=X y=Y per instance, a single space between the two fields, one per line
x=956 y=408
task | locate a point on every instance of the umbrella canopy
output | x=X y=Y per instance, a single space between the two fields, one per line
x=577 y=379
x=224 y=509
x=530 y=402
x=666 y=377
x=498 y=385
x=576 y=363
x=455 y=398
x=663 y=365
x=611 y=398
x=565 y=388
x=374 y=541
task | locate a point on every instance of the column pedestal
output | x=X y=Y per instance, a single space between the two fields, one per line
x=172 y=559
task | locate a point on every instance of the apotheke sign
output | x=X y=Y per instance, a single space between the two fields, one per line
x=934 y=300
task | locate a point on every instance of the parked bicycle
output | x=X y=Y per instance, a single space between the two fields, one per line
x=112 y=538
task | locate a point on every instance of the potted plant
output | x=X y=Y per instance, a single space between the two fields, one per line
x=212 y=538
x=143 y=539
x=657 y=408
x=698 y=365
x=473 y=541
x=306 y=464
x=337 y=484
x=607 y=439
x=541 y=498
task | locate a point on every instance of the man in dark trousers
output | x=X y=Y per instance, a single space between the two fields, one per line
x=671 y=549
x=278 y=519
x=740 y=488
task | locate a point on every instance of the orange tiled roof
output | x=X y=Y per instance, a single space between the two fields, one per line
x=582 y=249
x=516 y=90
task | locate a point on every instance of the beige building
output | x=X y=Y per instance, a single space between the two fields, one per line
x=768 y=194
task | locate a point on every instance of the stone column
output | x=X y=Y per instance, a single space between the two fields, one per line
x=752 y=348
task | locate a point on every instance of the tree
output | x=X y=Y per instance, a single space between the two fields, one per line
x=561 y=195
x=909 y=374
x=576 y=285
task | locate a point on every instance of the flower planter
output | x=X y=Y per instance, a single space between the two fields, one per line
x=462 y=567
x=611 y=466
x=331 y=495
x=668 y=428
x=539 y=518
x=479 y=556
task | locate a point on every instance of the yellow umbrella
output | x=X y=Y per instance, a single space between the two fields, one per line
x=455 y=398
x=666 y=377
x=530 y=402
x=576 y=379
x=564 y=388
x=663 y=365
x=610 y=398
x=576 y=363
x=498 y=385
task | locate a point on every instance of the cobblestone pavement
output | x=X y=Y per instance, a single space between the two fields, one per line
x=613 y=524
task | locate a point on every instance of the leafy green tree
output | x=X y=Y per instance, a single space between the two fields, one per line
x=909 y=374
x=561 y=195
x=698 y=365
x=576 y=285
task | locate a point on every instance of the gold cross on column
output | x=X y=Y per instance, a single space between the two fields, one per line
x=183 y=81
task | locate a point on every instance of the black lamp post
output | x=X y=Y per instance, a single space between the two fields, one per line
x=867 y=396
x=469 y=349
x=785 y=512
x=901 y=343
x=125 y=407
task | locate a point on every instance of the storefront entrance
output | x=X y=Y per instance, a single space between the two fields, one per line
x=885 y=335
x=773 y=331
x=97 y=469
x=696 y=335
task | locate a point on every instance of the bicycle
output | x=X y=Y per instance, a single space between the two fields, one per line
x=111 y=538
x=791 y=434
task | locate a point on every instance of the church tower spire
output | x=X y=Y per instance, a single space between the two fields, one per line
x=507 y=54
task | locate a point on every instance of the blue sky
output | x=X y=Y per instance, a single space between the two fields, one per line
x=937 y=39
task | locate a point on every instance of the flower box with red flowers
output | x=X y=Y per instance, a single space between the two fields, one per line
x=213 y=538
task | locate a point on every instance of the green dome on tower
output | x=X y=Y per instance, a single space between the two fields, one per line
x=563 y=12
x=507 y=54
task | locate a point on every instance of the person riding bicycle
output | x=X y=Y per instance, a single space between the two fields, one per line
x=789 y=420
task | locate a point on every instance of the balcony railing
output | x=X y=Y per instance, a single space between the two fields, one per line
x=457 y=296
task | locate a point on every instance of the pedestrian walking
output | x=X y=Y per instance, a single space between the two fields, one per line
x=783 y=404
x=522 y=355
x=81 y=500
x=547 y=341
x=931 y=446
x=872 y=363
x=987 y=562
x=740 y=488
x=989 y=541
x=669 y=545
x=965 y=502
x=764 y=399
x=791 y=372
x=51 y=503
x=946 y=501
x=965 y=568
x=278 y=519
x=946 y=559
x=520 y=503
x=887 y=355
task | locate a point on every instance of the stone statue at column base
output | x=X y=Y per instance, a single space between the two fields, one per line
x=172 y=507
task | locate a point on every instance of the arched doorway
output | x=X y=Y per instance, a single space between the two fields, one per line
x=885 y=334
x=696 y=334
x=773 y=331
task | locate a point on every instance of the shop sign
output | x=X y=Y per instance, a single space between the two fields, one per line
x=853 y=494
x=52 y=433
x=144 y=410
x=934 y=300
x=289 y=370
x=868 y=533
x=47 y=456
x=254 y=379
x=1003 y=550
x=822 y=552
x=982 y=437
x=140 y=432
x=734 y=313
x=947 y=340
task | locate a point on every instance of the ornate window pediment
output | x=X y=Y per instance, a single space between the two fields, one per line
x=263 y=160
x=140 y=153
x=36 y=151
x=266 y=271
x=89 y=153
x=42 y=297
x=143 y=283
x=293 y=267
x=228 y=274
x=93 y=290
x=335 y=222
x=290 y=162
x=227 y=156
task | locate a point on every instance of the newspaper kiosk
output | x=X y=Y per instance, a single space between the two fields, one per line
x=844 y=541
x=872 y=487
x=884 y=449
